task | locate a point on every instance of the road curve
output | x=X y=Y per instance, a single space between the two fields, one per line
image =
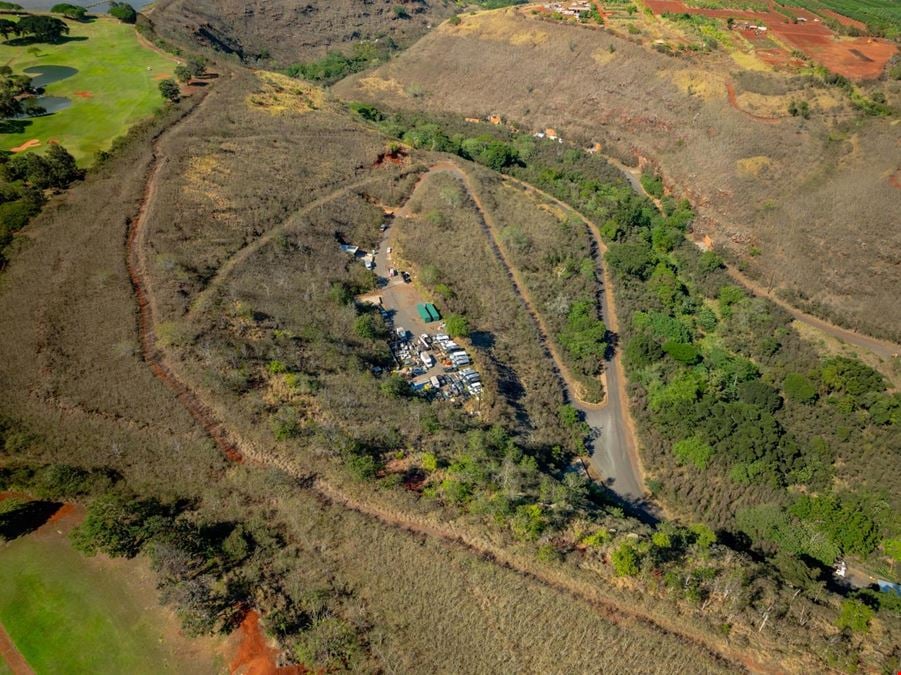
x=614 y=453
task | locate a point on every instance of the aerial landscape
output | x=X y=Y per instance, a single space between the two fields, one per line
x=457 y=336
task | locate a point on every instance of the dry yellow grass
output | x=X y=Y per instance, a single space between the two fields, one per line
x=748 y=61
x=696 y=82
x=753 y=166
x=203 y=180
x=495 y=26
x=375 y=84
x=602 y=56
x=281 y=94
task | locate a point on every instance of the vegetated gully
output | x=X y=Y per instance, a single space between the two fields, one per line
x=614 y=453
x=883 y=349
x=238 y=450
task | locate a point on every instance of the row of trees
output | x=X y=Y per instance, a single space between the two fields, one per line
x=41 y=28
x=37 y=27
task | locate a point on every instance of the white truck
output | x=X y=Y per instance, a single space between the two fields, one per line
x=426 y=359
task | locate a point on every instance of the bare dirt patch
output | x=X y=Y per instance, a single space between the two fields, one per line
x=397 y=156
x=84 y=94
x=254 y=655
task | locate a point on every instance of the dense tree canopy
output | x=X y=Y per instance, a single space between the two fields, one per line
x=43 y=28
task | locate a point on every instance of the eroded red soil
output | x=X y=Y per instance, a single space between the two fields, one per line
x=254 y=654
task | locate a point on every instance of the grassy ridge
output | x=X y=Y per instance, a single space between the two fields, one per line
x=116 y=85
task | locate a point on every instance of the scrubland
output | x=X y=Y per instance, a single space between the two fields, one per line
x=379 y=531
x=780 y=195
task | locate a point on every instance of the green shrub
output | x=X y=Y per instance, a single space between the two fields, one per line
x=626 y=560
x=854 y=616
x=693 y=450
x=457 y=325
x=799 y=388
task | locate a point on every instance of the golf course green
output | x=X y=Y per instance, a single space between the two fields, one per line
x=115 y=84
x=66 y=613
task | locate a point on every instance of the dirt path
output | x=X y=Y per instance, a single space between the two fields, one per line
x=244 y=253
x=733 y=101
x=881 y=348
x=237 y=449
x=614 y=450
x=493 y=233
x=137 y=265
x=12 y=656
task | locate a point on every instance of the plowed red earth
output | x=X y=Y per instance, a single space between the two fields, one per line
x=861 y=58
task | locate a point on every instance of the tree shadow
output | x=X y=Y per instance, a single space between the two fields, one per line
x=30 y=40
x=26 y=519
x=14 y=126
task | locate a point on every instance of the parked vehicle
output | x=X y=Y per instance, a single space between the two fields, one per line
x=427 y=359
x=401 y=332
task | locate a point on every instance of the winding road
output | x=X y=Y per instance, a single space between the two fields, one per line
x=238 y=449
x=614 y=453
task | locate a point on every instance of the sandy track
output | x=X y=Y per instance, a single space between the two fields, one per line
x=244 y=253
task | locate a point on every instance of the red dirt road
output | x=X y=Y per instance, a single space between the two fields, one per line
x=861 y=58
x=12 y=656
x=733 y=101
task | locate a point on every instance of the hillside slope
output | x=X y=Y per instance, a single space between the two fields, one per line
x=782 y=193
x=293 y=31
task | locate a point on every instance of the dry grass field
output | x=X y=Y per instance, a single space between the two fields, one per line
x=235 y=239
x=421 y=604
x=780 y=193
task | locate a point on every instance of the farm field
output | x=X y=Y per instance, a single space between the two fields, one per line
x=857 y=58
x=115 y=86
x=69 y=613
x=881 y=15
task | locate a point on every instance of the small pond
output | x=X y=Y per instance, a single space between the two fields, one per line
x=43 y=75
x=52 y=104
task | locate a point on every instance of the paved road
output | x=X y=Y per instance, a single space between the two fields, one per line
x=614 y=451
x=614 y=455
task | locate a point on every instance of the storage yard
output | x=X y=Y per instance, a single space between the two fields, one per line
x=436 y=365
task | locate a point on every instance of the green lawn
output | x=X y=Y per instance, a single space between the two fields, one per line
x=68 y=614
x=112 y=69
